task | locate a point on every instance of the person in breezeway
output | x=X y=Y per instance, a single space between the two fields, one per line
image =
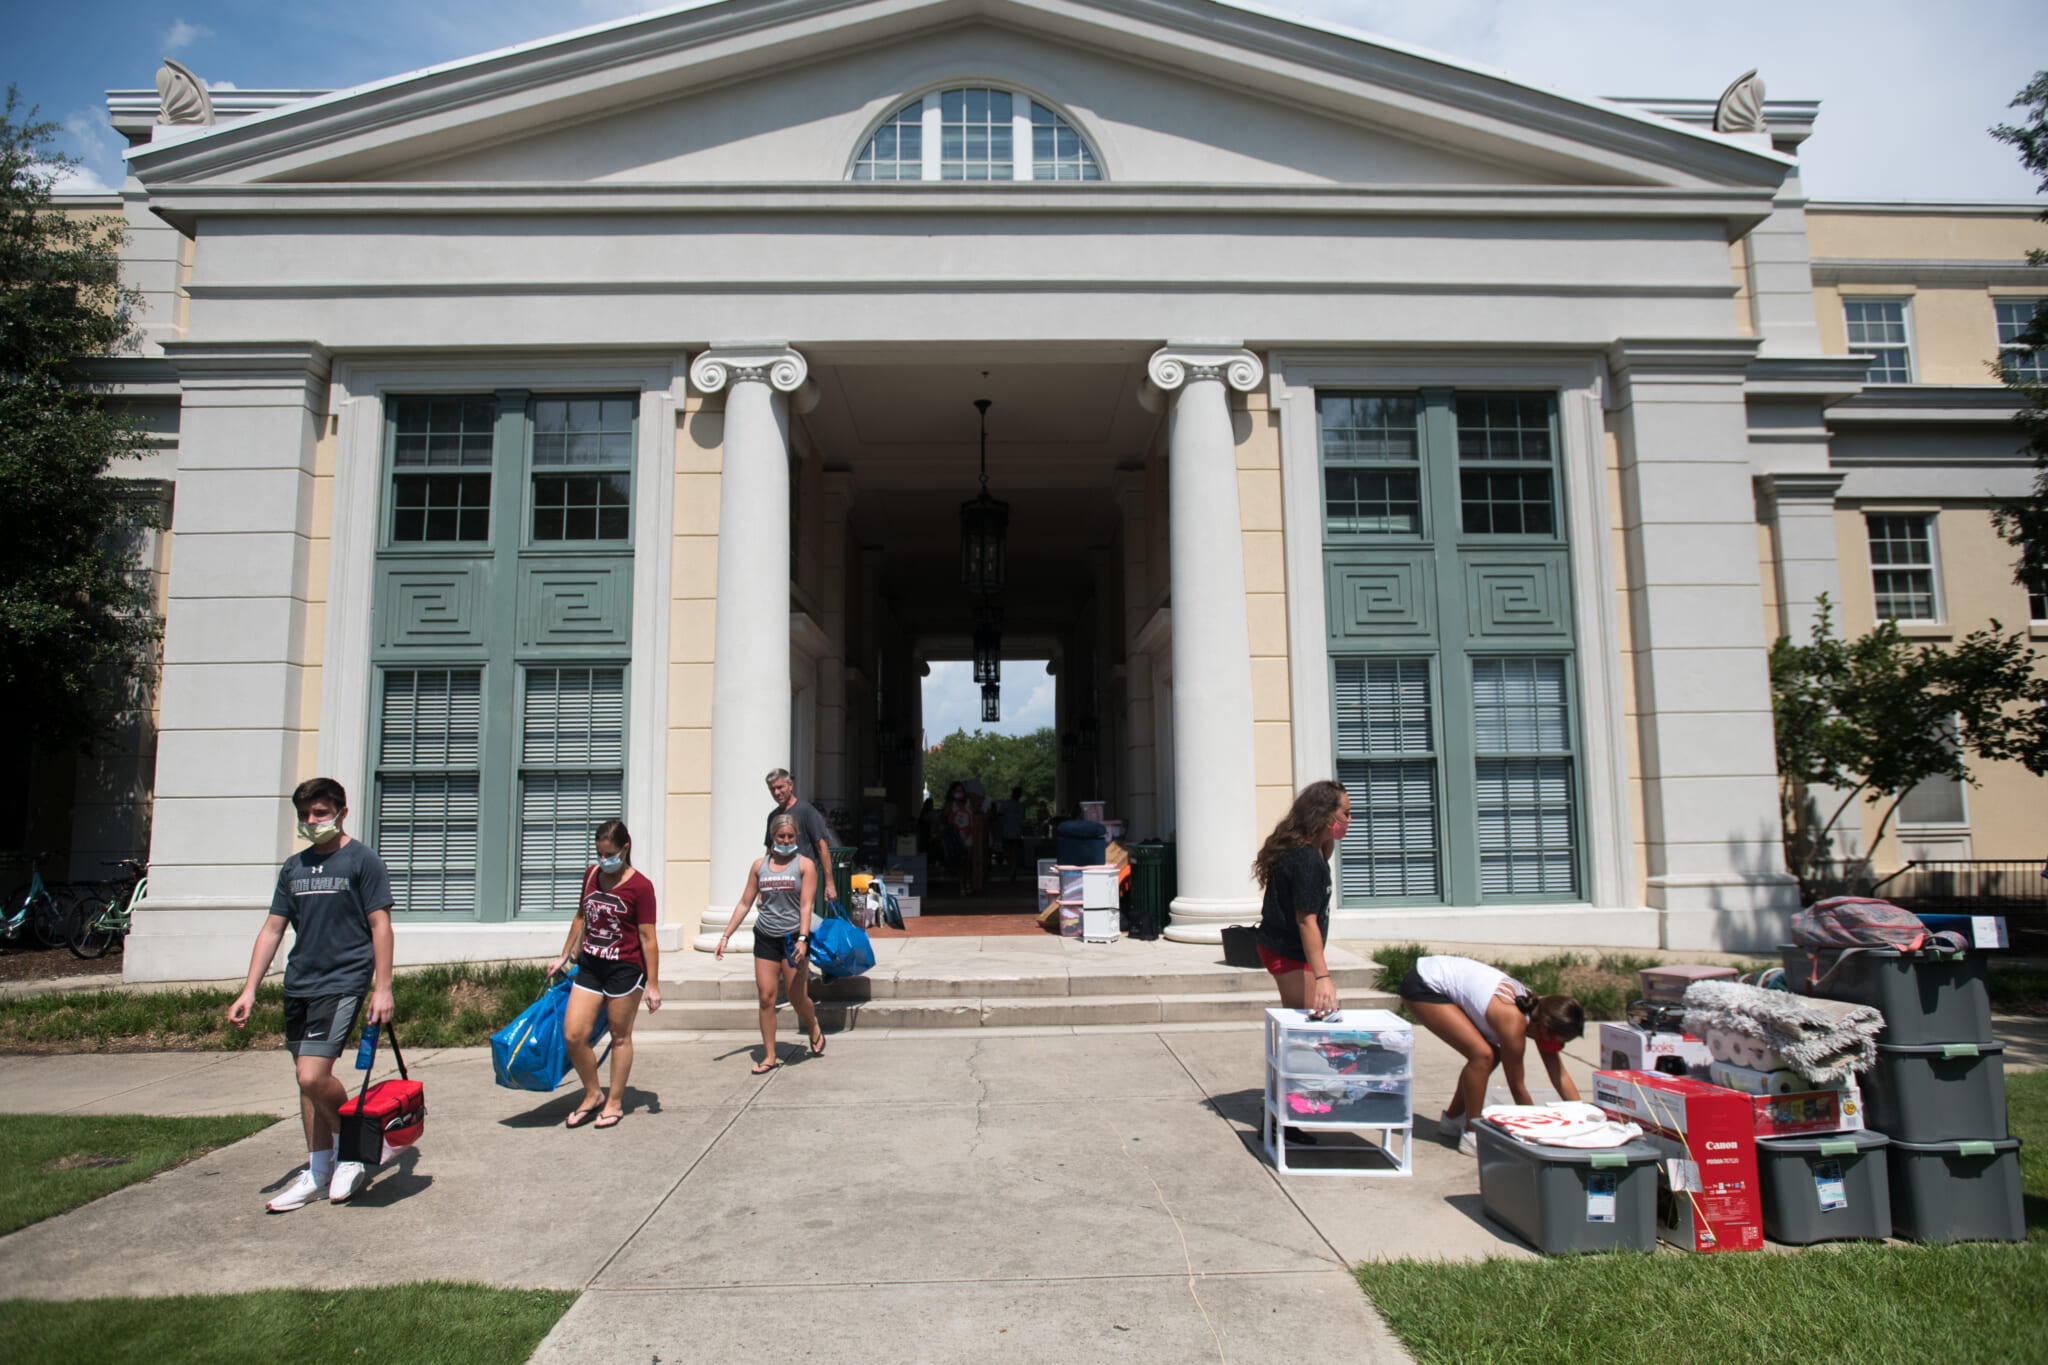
x=814 y=837
x=618 y=963
x=1010 y=827
x=336 y=897
x=1488 y=1016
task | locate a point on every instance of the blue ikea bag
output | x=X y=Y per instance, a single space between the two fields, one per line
x=531 y=1053
x=839 y=947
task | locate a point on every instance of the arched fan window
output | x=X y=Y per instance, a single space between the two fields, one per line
x=976 y=133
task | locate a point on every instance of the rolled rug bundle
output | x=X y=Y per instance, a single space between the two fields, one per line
x=1823 y=1040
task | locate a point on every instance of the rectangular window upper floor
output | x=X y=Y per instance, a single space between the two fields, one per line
x=1883 y=330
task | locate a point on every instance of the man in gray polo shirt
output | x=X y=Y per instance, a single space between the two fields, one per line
x=336 y=897
x=814 y=837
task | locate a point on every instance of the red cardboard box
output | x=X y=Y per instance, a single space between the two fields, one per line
x=1709 y=1139
x=1808 y=1111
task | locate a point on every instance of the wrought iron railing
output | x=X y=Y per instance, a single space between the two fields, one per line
x=1988 y=886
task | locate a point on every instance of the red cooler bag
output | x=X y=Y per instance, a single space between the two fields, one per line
x=386 y=1118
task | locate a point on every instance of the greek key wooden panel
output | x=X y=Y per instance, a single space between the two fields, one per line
x=1516 y=595
x=566 y=605
x=1386 y=595
x=432 y=608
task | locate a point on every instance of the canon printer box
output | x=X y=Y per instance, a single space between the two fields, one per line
x=1707 y=1195
x=1624 y=1047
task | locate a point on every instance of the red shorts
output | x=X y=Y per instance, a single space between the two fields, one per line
x=1276 y=964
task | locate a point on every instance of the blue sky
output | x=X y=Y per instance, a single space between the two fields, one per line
x=1907 y=88
x=952 y=700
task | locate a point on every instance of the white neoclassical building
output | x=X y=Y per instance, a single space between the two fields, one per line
x=581 y=429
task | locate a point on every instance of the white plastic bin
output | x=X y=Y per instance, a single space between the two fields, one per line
x=1350 y=1072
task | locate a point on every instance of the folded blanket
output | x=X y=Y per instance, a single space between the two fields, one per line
x=1823 y=1040
x=1562 y=1124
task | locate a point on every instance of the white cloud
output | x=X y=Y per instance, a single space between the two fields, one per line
x=182 y=35
x=952 y=700
x=87 y=136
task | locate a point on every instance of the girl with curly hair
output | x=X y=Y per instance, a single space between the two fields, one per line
x=1294 y=868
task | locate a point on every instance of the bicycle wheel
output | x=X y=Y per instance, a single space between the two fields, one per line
x=49 y=920
x=92 y=931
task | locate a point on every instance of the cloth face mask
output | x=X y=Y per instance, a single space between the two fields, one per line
x=321 y=833
x=611 y=864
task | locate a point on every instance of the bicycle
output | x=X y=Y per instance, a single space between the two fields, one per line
x=96 y=928
x=36 y=911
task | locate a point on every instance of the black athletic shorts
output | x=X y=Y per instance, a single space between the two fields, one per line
x=1419 y=992
x=775 y=947
x=319 y=1025
x=603 y=976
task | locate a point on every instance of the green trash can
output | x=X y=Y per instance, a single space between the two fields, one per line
x=1146 y=915
x=842 y=873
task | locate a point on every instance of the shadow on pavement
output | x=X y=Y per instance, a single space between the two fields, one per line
x=394 y=1181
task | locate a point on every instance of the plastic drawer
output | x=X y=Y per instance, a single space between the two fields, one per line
x=1556 y=1198
x=1358 y=1053
x=1957 y=1191
x=1381 y=1102
x=1937 y=1092
x=1824 y=1187
x=1923 y=999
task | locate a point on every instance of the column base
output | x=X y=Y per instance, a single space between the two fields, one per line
x=712 y=924
x=1727 y=913
x=1203 y=921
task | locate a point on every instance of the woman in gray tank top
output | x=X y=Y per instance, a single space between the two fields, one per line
x=786 y=886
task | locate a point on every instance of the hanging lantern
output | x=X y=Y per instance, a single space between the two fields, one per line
x=885 y=736
x=1088 y=734
x=991 y=703
x=1070 y=746
x=984 y=529
x=988 y=653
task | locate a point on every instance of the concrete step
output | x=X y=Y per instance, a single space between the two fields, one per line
x=953 y=985
x=997 y=1011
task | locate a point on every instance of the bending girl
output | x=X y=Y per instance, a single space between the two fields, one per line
x=787 y=887
x=1488 y=1016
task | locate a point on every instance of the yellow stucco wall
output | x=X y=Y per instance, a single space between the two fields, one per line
x=693 y=619
x=1954 y=331
x=1265 y=599
x=1974 y=587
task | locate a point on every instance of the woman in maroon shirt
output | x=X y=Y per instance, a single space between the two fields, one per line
x=617 y=963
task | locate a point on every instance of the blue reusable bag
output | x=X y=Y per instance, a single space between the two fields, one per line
x=531 y=1053
x=839 y=947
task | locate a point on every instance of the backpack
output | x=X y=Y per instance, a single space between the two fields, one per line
x=1858 y=922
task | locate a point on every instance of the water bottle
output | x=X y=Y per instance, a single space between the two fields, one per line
x=366 y=1050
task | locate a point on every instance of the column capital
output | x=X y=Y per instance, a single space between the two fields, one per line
x=775 y=364
x=1818 y=485
x=1182 y=362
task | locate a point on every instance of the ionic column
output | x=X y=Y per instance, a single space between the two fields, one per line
x=750 y=662
x=1215 y=801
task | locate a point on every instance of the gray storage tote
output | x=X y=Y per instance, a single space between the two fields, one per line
x=1937 y=1092
x=1824 y=1187
x=1564 y=1199
x=1957 y=1191
x=1924 y=999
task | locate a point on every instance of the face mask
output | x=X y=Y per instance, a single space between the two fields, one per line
x=612 y=864
x=319 y=834
x=1339 y=829
x=784 y=850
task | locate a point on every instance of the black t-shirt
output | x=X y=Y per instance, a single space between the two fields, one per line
x=328 y=899
x=1297 y=885
x=810 y=828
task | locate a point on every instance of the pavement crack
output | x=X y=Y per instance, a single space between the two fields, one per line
x=980 y=1099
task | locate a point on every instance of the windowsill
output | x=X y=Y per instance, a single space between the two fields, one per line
x=1927 y=630
x=2037 y=630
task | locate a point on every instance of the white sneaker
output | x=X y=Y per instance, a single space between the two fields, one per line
x=303 y=1190
x=349 y=1179
x=1450 y=1127
x=1468 y=1145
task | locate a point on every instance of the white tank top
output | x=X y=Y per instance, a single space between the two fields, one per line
x=1472 y=985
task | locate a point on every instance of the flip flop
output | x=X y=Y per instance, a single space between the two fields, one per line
x=766 y=1067
x=607 y=1121
x=818 y=1048
x=583 y=1116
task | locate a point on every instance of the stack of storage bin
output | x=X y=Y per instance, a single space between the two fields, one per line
x=1354 y=1070
x=1088 y=903
x=1937 y=1091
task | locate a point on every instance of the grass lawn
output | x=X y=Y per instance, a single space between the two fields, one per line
x=1972 y=1302
x=53 y=1162
x=455 y=1005
x=420 y=1324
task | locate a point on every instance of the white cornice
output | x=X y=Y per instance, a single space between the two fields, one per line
x=184 y=205
x=579 y=75
x=1929 y=271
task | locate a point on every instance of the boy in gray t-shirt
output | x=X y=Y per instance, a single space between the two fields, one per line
x=336 y=897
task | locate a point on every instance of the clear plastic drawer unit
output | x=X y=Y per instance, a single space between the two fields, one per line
x=1352 y=1072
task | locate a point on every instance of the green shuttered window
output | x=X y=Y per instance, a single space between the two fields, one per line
x=1451 y=647
x=502 y=637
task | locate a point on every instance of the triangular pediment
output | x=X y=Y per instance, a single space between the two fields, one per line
x=1184 y=92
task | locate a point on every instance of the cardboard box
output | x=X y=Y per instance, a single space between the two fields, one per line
x=1708 y=1138
x=1624 y=1047
x=1666 y=985
x=1808 y=1111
